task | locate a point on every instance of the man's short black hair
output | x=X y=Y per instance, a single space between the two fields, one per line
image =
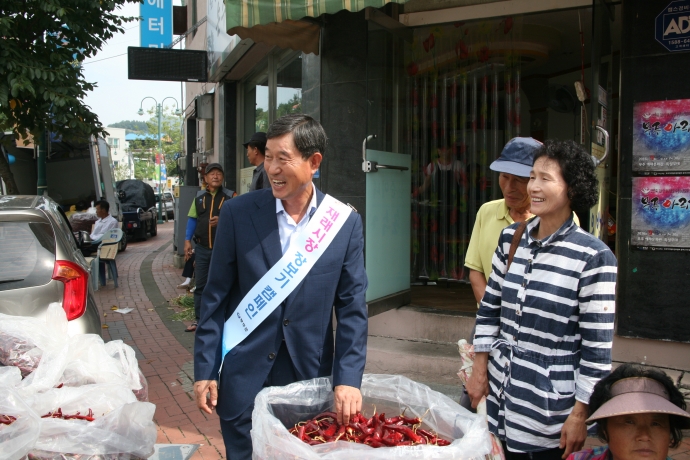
x=577 y=169
x=602 y=393
x=309 y=135
x=104 y=205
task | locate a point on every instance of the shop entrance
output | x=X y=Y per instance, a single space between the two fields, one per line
x=459 y=93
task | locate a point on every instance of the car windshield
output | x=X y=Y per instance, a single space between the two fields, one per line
x=27 y=254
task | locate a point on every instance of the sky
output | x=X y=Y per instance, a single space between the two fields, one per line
x=115 y=97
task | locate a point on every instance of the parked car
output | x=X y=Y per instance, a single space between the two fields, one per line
x=168 y=204
x=41 y=263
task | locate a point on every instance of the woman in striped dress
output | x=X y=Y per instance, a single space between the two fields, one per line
x=545 y=325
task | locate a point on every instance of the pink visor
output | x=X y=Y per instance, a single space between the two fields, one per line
x=638 y=395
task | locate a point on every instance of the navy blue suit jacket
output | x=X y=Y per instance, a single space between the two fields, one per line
x=247 y=245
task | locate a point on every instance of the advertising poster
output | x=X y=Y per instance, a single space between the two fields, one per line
x=661 y=213
x=661 y=137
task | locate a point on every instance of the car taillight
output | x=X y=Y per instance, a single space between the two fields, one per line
x=76 y=281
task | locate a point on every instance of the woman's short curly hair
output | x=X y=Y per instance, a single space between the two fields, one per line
x=602 y=394
x=577 y=169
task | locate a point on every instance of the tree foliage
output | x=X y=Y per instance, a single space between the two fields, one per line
x=132 y=126
x=42 y=85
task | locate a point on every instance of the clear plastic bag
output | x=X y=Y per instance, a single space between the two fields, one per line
x=276 y=408
x=20 y=436
x=121 y=423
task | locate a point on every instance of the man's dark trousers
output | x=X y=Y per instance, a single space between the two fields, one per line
x=236 y=433
x=202 y=257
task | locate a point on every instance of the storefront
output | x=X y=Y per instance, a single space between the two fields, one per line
x=436 y=93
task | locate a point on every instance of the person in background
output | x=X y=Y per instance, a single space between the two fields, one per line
x=513 y=167
x=640 y=414
x=187 y=271
x=201 y=227
x=105 y=221
x=256 y=151
x=545 y=326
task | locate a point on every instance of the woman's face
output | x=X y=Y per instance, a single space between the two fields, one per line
x=639 y=436
x=548 y=190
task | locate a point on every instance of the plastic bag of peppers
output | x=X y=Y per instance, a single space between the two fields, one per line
x=278 y=410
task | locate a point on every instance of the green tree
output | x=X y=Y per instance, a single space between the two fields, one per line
x=294 y=105
x=121 y=172
x=131 y=126
x=171 y=129
x=42 y=85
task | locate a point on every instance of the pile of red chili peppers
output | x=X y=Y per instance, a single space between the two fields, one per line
x=58 y=414
x=377 y=431
x=7 y=419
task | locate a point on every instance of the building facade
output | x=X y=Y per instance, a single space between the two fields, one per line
x=433 y=87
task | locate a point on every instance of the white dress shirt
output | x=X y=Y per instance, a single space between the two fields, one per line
x=287 y=227
x=103 y=225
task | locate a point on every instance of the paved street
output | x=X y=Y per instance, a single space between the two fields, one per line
x=147 y=280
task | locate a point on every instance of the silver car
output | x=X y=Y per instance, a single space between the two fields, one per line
x=40 y=263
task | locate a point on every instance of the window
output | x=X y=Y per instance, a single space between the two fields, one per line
x=289 y=87
x=27 y=254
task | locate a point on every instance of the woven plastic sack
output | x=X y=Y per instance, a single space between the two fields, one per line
x=276 y=408
x=20 y=436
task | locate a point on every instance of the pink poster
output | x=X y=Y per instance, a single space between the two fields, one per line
x=661 y=213
x=661 y=137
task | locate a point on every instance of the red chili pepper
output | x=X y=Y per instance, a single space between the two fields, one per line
x=330 y=431
x=7 y=419
x=300 y=432
x=407 y=431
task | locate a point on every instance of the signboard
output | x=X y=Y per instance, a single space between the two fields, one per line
x=672 y=27
x=661 y=138
x=156 y=23
x=661 y=213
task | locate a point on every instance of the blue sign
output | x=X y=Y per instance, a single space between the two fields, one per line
x=672 y=27
x=156 y=23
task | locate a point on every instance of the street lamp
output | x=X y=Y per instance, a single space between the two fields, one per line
x=159 y=114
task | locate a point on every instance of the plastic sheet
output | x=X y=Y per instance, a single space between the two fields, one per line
x=276 y=408
x=121 y=425
x=17 y=438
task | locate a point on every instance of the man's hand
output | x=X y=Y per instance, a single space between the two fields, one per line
x=478 y=385
x=348 y=401
x=206 y=394
x=574 y=431
x=187 y=250
x=213 y=221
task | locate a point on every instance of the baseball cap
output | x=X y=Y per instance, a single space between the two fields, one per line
x=257 y=138
x=517 y=156
x=637 y=395
x=211 y=166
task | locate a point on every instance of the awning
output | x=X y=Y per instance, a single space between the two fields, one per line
x=277 y=22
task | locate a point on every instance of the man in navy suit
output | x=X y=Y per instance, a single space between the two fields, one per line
x=295 y=342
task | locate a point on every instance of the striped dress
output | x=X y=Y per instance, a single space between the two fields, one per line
x=548 y=327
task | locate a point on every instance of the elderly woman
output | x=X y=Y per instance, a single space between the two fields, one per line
x=545 y=324
x=639 y=413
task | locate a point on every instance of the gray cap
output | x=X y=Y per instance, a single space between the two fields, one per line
x=211 y=166
x=517 y=156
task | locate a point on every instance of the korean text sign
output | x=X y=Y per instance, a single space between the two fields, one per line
x=156 y=23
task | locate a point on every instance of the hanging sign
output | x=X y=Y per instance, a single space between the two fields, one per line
x=672 y=27
x=156 y=23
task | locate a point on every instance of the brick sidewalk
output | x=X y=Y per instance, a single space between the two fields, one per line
x=166 y=363
x=147 y=279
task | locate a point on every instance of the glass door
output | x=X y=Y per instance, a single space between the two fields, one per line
x=387 y=163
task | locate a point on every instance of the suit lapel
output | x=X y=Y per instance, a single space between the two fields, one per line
x=266 y=226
